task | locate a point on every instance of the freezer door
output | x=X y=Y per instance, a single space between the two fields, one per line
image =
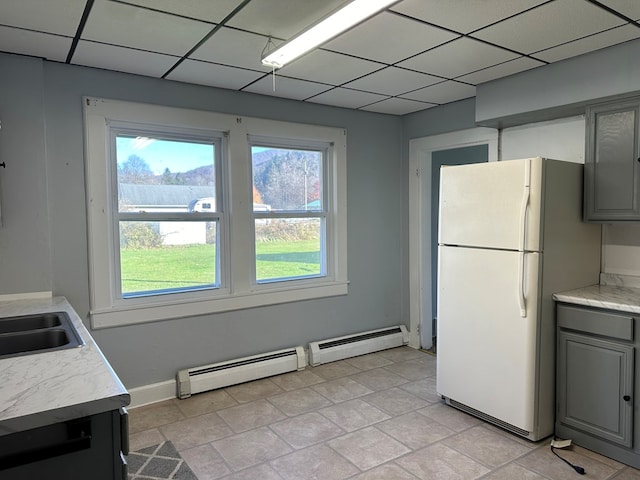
x=486 y=349
x=493 y=205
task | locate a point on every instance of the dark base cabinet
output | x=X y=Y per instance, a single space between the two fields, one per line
x=84 y=448
x=596 y=387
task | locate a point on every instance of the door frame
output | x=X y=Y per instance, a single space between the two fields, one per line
x=420 y=151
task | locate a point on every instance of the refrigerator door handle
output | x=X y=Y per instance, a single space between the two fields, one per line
x=523 y=231
x=521 y=296
x=524 y=205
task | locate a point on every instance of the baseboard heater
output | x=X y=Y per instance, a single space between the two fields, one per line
x=209 y=377
x=358 y=344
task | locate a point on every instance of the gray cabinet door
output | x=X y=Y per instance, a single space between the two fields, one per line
x=612 y=168
x=595 y=386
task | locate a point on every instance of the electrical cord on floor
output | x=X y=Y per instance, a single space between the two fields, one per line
x=577 y=468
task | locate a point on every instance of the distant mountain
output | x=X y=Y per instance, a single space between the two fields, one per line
x=260 y=158
x=283 y=178
x=201 y=176
x=204 y=175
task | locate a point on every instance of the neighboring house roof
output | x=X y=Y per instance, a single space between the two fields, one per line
x=161 y=195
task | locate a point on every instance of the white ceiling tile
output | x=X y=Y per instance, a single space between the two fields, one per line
x=444 y=92
x=135 y=27
x=110 y=57
x=53 y=16
x=204 y=10
x=203 y=73
x=343 y=97
x=402 y=38
x=502 y=70
x=549 y=25
x=27 y=42
x=393 y=81
x=147 y=37
x=286 y=87
x=463 y=16
x=458 y=57
x=327 y=67
x=282 y=18
x=589 y=44
x=398 y=106
x=630 y=8
x=234 y=48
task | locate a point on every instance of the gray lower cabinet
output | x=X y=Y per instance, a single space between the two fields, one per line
x=85 y=448
x=596 y=387
x=612 y=163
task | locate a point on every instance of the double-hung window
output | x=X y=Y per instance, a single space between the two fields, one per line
x=289 y=210
x=193 y=212
x=168 y=218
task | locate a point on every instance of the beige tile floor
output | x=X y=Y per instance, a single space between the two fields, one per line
x=371 y=417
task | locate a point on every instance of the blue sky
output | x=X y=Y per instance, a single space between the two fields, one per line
x=177 y=156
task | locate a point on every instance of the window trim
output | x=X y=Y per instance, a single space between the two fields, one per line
x=213 y=137
x=326 y=220
x=238 y=288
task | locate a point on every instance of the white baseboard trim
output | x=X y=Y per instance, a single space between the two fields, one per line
x=156 y=392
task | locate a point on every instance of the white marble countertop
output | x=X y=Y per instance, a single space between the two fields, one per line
x=50 y=387
x=613 y=297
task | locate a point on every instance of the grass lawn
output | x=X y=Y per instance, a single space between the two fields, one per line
x=193 y=265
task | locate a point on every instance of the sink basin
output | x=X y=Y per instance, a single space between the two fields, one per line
x=31 y=341
x=29 y=322
x=37 y=333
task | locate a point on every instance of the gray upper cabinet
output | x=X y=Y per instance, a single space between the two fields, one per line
x=612 y=164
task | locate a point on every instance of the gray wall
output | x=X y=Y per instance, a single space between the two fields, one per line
x=561 y=89
x=150 y=353
x=451 y=117
x=25 y=264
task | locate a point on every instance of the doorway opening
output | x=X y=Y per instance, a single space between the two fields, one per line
x=426 y=155
x=452 y=156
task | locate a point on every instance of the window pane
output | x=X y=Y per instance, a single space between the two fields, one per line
x=159 y=257
x=288 y=248
x=159 y=175
x=286 y=179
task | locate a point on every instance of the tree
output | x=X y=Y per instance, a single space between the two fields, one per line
x=314 y=191
x=134 y=170
x=288 y=179
x=257 y=198
x=167 y=177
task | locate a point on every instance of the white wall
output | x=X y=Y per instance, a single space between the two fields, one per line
x=564 y=139
x=561 y=139
x=621 y=250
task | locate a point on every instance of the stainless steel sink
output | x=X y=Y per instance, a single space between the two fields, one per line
x=37 y=333
x=29 y=322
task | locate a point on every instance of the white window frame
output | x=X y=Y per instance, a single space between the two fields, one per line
x=238 y=289
x=218 y=140
x=325 y=218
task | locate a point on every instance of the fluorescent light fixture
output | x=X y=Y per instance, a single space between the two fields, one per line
x=334 y=24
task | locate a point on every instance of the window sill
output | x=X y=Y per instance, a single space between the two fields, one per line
x=169 y=310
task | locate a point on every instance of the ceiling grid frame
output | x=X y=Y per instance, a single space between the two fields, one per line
x=375 y=66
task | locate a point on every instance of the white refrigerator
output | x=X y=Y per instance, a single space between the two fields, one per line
x=510 y=235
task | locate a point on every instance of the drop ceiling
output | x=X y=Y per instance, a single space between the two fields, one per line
x=414 y=55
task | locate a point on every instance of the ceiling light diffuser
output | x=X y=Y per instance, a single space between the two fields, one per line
x=332 y=25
